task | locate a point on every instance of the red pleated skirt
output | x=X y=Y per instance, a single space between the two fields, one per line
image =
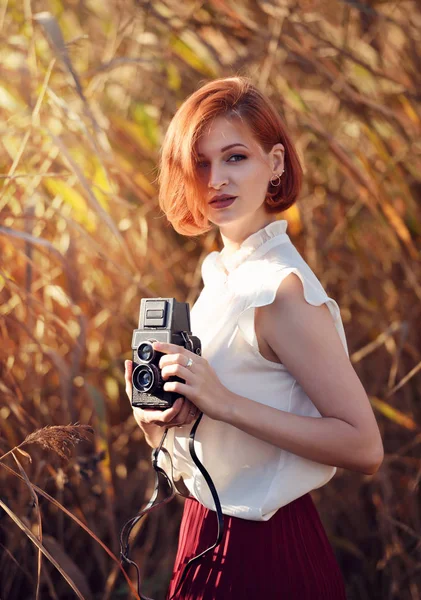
x=288 y=557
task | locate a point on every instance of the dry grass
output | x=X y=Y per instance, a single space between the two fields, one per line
x=85 y=99
x=56 y=438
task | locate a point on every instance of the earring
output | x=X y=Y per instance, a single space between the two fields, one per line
x=276 y=183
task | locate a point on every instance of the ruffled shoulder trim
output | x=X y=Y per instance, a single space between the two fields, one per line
x=313 y=293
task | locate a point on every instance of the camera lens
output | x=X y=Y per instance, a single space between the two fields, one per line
x=145 y=352
x=143 y=378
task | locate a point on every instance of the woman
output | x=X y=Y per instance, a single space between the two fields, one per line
x=282 y=405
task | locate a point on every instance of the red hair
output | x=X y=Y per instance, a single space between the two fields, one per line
x=179 y=192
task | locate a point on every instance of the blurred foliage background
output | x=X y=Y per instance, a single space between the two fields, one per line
x=87 y=89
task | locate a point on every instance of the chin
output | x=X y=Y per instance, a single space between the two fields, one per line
x=223 y=219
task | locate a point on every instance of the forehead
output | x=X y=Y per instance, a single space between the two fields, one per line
x=222 y=132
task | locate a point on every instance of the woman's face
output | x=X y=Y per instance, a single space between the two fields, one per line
x=232 y=162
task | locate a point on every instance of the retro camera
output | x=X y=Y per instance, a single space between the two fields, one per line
x=160 y=320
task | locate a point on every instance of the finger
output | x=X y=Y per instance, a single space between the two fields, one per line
x=192 y=414
x=166 y=347
x=175 y=370
x=184 y=415
x=128 y=366
x=139 y=416
x=173 y=413
x=181 y=417
x=161 y=417
x=148 y=416
x=176 y=355
x=168 y=412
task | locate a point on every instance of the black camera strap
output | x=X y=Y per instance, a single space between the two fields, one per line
x=127 y=528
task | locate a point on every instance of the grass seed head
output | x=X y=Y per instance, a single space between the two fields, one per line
x=59 y=438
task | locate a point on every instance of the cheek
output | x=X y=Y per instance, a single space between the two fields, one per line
x=254 y=173
x=202 y=177
x=253 y=180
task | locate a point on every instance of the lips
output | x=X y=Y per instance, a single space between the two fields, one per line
x=222 y=199
x=223 y=202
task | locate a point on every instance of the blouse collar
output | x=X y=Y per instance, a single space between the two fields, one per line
x=250 y=245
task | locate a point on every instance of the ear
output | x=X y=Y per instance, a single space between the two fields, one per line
x=277 y=155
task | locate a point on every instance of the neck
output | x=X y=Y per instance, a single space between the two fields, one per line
x=235 y=234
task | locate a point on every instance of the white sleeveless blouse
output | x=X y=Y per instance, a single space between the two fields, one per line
x=253 y=478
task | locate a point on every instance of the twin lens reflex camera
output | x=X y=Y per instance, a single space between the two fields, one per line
x=160 y=320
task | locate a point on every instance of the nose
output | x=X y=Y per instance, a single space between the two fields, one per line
x=217 y=179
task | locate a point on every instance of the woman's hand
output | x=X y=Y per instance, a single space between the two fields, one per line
x=203 y=387
x=181 y=413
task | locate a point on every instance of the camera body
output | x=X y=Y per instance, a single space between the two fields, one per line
x=160 y=320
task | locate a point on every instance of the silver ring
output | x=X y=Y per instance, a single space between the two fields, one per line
x=192 y=413
x=277 y=182
x=189 y=362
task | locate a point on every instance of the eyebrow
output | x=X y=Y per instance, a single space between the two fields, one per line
x=227 y=147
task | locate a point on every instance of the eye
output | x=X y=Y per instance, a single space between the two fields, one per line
x=204 y=164
x=200 y=165
x=240 y=156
